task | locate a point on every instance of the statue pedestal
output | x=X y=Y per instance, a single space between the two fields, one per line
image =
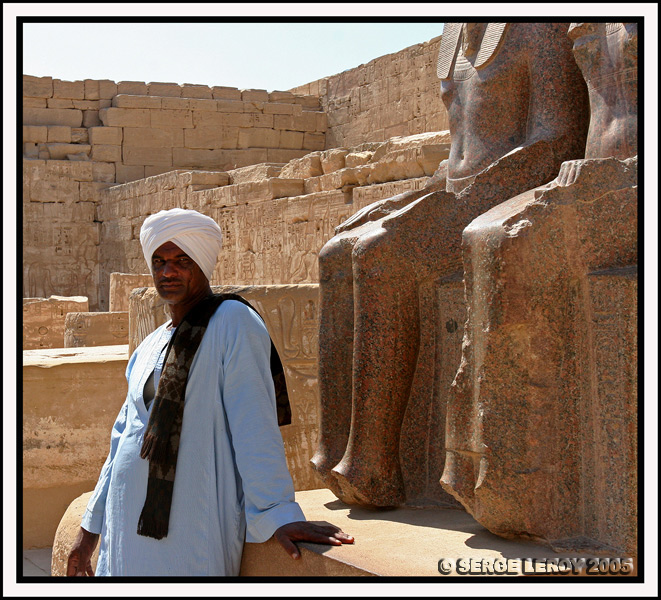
x=403 y=542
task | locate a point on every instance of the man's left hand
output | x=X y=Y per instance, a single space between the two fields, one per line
x=308 y=531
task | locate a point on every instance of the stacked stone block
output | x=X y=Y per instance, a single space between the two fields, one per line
x=143 y=129
x=275 y=218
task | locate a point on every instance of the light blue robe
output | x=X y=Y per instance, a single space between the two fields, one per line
x=231 y=483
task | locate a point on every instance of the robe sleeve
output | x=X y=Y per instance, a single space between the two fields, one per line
x=93 y=518
x=249 y=400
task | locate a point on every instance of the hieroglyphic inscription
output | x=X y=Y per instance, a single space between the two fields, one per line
x=613 y=295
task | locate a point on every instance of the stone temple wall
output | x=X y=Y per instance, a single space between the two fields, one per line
x=275 y=218
x=393 y=95
x=82 y=137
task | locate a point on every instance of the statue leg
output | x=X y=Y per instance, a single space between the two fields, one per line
x=386 y=338
x=335 y=355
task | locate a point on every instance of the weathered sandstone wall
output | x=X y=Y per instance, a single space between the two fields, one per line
x=70 y=401
x=394 y=95
x=81 y=137
x=275 y=218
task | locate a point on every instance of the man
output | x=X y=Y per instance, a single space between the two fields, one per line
x=517 y=108
x=181 y=489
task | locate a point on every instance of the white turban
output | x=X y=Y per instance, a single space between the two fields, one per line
x=196 y=234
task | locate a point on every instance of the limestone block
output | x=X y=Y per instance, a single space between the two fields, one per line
x=48 y=116
x=278 y=108
x=91 y=118
x=43 y=320
x=89 y=193
x=71 y=399
x=256 y=191
x=30 y=150
x=131 y=101
x=121 y=286
x=171 y=118
x=125 y=117
x=206 y=119
x=153 y=137
x=225 y=93
x=231 y=105
x=105 y=135
x=398 y=130
x=259 y=138
x=106 y=153
x=202 y=158
x=279 y=96
x=290 y=313
x=60 y=103
x=37 y=87
x=193 y=90
x=314 y=141
x=283 y=155
x=137 y=155
x=207 y=137
x=175 y=103
x=129 y=172
x=306 y=121
x=86 y=329
x=107 y=89
x=310 y=102
x=91 y=87
x=332 y=160
x=192 y=178
x=136 y=88
x=35 y=133
x=262 y=120
x=254 y=95
x=164 y=89
x=34 y=102
x=69 y=170
x=254 y=173
x=90 y=104
x=291 y=140
x=79 y=135
x=58 y=133
x=322 y=122
x=63 y=151
x=103 y=172
x=357 y=159
x=364 y=196
x=284 y=122
x=203 y=104
x=342 y=178
x=303 y=168
x=68 y=89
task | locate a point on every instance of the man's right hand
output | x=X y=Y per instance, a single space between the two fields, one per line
x=80 y=557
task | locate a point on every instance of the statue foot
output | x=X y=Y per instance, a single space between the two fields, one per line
x=378 y=489
x=322 y=466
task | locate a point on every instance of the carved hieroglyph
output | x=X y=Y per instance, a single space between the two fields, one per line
x=96 y=329
x=44 y=319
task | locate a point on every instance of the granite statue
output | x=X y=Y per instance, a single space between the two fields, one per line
x=518 y=109
x=541 y=421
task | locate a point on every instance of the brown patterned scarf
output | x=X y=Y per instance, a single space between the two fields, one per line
x=161 y=442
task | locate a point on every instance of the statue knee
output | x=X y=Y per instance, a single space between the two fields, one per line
x=335 y=259
x=374 y=254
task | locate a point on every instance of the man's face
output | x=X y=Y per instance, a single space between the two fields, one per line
x=177 y=276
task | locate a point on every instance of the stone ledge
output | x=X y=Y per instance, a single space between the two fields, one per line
x=404 y=542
